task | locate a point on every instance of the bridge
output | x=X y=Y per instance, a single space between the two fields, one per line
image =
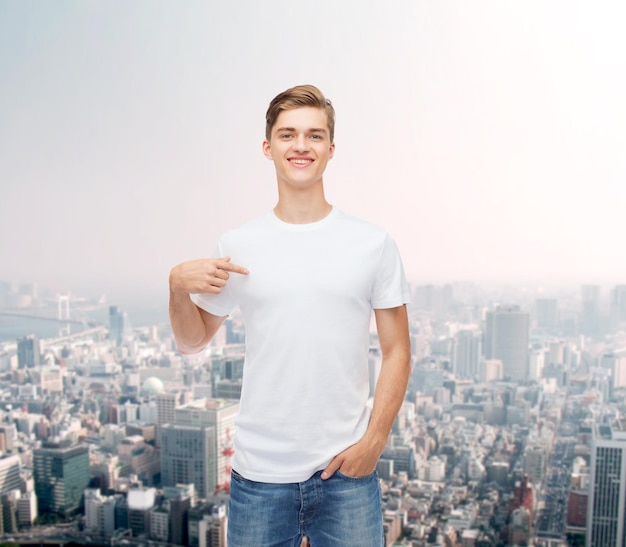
x=84 y=322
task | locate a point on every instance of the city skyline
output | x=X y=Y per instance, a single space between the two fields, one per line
x=488 y=139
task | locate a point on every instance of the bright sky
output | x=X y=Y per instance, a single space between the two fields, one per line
x=488 y=137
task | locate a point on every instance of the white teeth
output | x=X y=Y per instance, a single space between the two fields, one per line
x=301 y=162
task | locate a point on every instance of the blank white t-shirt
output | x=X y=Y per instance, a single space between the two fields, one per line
x=307 y=305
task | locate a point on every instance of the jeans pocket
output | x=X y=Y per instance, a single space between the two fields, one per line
x=351 y=478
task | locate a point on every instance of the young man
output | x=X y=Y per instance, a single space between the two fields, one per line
x=306 y=277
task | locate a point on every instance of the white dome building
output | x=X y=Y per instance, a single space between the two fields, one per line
x=152 y=386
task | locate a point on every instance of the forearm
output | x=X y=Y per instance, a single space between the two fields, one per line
x=188 y=327
x=388 y=396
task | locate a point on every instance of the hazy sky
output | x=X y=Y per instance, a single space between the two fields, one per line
x=488 y=137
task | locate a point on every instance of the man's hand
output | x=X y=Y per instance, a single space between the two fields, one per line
x=357 y=460
x=205 y=275
x=193 y=327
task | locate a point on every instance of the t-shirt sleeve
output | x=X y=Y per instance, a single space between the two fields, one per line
x=390 y=286
x=218 y=304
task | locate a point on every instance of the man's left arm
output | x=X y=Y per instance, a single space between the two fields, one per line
x=393 y=334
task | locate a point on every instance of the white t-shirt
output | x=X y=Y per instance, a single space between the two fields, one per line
x=307 y=305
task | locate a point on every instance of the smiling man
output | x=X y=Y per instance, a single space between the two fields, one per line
x=306 y=277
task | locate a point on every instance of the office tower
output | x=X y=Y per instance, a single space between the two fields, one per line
x=9 y=504
x=212 y=528
x=140 y=503
x=590 y=309
x=10 y=468
x=546 y=313
x=506 y=339
x=197 y=446
x=606 y=514
x=188 y=456
x=615 y=365
x=220 y=414
x=61 y=473
x=618 y=305
x=159 y=522
x=99 y=512
x=466 y=353
x=166 y=403
x=28 y=351
x=179 y=518
x=7 y=436
x=27 y=509
x=117 y=324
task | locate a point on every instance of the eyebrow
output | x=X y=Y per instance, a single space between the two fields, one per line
x=313 y=130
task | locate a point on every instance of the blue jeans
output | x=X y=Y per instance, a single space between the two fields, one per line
x=339 y=511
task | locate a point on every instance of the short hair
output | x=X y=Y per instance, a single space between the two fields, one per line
x=296 y=97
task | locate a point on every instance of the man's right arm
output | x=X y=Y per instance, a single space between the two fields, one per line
x=192 y=326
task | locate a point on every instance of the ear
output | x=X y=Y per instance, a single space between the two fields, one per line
x=331 y=151
x=267 y=150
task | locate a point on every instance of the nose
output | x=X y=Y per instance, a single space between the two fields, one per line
x=300 y=143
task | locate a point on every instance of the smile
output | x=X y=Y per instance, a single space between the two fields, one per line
x=301 y=161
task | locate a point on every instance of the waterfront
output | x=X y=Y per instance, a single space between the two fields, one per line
x=41 y=321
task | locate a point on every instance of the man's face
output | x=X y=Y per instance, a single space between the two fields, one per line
x=300 y=146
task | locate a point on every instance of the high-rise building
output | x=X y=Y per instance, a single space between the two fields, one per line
x=506 y=339
x=212 y=528
x=615 y=365
x=99 y=512
x=188 y=456
x=10 y=467
x=197 y=446
x=590 y=309
x=546 y=313
x=166 y=403
x=606 y=511
x=618 y=305
x=466 y=354
x=61 y=473
x=28 y=351
x=220 y=414
x=117 y=324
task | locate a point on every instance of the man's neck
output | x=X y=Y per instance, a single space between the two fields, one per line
x=302 y=212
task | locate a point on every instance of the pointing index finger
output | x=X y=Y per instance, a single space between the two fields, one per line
x=226 y=265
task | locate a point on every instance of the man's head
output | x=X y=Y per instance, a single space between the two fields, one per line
x=297 y=97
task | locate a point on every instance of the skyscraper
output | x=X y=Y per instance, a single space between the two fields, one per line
x=590 y=309
x=28 y=352
x=506 y=339
x=606 y=515
x=618 y=305
x=466 y=354
x=220 y=414
x=546 y=313
x=117 y=320
x=61 y=473
x=188 y=456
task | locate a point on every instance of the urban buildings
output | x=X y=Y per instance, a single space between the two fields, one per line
x=510 y=432
x=506 y=339
x=607 y=494
x=61 y=473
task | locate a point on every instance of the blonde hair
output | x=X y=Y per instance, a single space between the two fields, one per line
x=296 y=97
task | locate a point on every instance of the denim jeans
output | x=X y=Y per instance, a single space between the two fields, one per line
x=339 y=511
